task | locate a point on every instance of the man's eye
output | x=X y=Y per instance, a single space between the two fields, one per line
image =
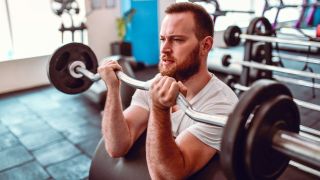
x=178 y=40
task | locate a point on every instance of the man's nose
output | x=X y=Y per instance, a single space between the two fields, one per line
x=166 y=47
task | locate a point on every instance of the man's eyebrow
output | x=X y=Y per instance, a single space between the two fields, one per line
x=173 y=36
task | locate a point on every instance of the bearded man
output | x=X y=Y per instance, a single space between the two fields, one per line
x=176 y=145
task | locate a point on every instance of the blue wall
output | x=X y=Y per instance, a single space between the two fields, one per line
x=142 y=32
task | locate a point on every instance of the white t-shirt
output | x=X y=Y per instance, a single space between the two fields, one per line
x=216 y=98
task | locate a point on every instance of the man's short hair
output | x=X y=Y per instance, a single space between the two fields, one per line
x=203 y=21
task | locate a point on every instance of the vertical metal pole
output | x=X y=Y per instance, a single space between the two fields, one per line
x=9 y=23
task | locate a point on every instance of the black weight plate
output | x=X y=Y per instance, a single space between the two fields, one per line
x=234 y=134
x=225 y=60
x=262 y=161
x=248 y=74
x=257 y=24
x=258 y=53
x=231 y=36
x=58 y=67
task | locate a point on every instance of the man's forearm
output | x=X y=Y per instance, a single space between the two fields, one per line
x=114 y=128
x=164 y=157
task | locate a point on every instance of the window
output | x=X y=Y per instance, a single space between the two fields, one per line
x=5 y=37
x=34 y=28
x=222 y=22
x=242 y=19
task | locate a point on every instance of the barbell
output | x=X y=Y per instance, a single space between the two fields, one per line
x=231 y=81
x=265 y=122
x=258 y=54
x=233 y=35
x=226 y=61
x=296 y=81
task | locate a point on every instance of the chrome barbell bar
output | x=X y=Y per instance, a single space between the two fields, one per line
x=306 y=132
x=282 y=141
x=261 y=66
x=299 y=102
x=216 y=120
x=296 y=58
x=297 y=81
x=309 y=150
x=271 y=39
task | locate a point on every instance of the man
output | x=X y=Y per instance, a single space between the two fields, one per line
x=176 y=146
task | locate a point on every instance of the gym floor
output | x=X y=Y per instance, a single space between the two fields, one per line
x=45 y=134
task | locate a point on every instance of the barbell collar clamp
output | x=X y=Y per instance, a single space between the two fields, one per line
x=73 y=69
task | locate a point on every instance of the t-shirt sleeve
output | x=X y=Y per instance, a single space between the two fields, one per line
x=140 y=98
x=210 y=134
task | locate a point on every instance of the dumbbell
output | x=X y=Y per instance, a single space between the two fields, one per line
x=273 y=130
x=233 y=35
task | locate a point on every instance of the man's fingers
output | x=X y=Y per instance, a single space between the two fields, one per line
x=174 y=89
x=111 y=65
x=182 y=88
x=167 y=83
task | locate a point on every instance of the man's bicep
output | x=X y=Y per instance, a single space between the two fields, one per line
x=136 y=118
x=196 y=153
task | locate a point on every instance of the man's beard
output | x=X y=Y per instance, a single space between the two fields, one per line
x=183 y=71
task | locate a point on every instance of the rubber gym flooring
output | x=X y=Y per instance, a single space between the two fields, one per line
x=45 y=134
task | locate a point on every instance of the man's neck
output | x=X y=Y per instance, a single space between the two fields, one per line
x=196 y=82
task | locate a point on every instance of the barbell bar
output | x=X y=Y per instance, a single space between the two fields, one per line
x=299 y=102
x=296 y=58
x=280 y=139
x=284 y=141
x=79 y=70
x=74 y=64
x=258 y=54
x=233 y=35
x=303 y=129
x=226 y=61
x=296 y=81
x=282 y=6
x=75 y=68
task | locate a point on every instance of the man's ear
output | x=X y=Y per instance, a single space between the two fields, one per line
x=206 y=45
